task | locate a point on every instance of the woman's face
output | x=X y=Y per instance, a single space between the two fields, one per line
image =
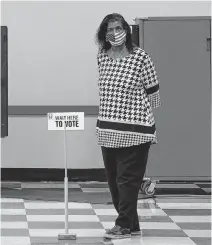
x=114 y=27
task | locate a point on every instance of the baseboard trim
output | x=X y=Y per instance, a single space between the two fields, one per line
x=76 y=175
x=45 y=174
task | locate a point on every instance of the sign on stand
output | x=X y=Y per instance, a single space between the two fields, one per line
x=66 y=121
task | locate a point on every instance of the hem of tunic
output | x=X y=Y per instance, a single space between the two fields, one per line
x=116 y=141
x=109 y=146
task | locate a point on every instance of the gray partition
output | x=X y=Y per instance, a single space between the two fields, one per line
x=180 y=50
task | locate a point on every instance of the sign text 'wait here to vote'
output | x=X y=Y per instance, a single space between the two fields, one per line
x=66 y=120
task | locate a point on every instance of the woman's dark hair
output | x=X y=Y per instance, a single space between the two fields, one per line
x=102 y=30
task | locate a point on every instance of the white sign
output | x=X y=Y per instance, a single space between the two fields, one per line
x=66 y=120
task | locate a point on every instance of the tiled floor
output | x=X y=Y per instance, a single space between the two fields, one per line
x=165 y=219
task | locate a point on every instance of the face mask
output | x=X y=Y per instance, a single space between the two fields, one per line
x=116 y=39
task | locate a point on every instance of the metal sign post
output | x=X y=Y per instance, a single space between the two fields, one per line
x=66 y=121
x=66 y=236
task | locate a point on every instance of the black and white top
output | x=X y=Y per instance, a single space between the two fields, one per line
x=128 y=90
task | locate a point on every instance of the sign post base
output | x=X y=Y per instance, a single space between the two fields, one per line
x=67 y=236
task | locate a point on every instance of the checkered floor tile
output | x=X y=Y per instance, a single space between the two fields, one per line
x=164 y=220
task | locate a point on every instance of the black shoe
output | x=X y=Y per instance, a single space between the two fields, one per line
x=117 y=232
x=136 y=231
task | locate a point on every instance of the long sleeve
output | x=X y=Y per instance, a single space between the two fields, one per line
x=150 y=81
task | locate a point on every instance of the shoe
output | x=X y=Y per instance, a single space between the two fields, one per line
x=117 y=232
x=136 y=231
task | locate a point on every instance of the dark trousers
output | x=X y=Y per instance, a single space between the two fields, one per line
x=125 y=168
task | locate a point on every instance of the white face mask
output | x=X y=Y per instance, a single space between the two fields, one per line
x=116 y=39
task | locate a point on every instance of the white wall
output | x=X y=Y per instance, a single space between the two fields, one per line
x=52 y=61
x=31 y=145
x=52 y=54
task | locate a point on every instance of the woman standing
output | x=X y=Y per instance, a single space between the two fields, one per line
x=125 y=129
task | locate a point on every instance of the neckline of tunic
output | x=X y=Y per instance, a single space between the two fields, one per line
x=121 y=59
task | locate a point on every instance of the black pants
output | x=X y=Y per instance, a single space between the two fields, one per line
x=125 y=168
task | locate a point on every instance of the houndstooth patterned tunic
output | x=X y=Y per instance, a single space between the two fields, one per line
x=128 y=90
